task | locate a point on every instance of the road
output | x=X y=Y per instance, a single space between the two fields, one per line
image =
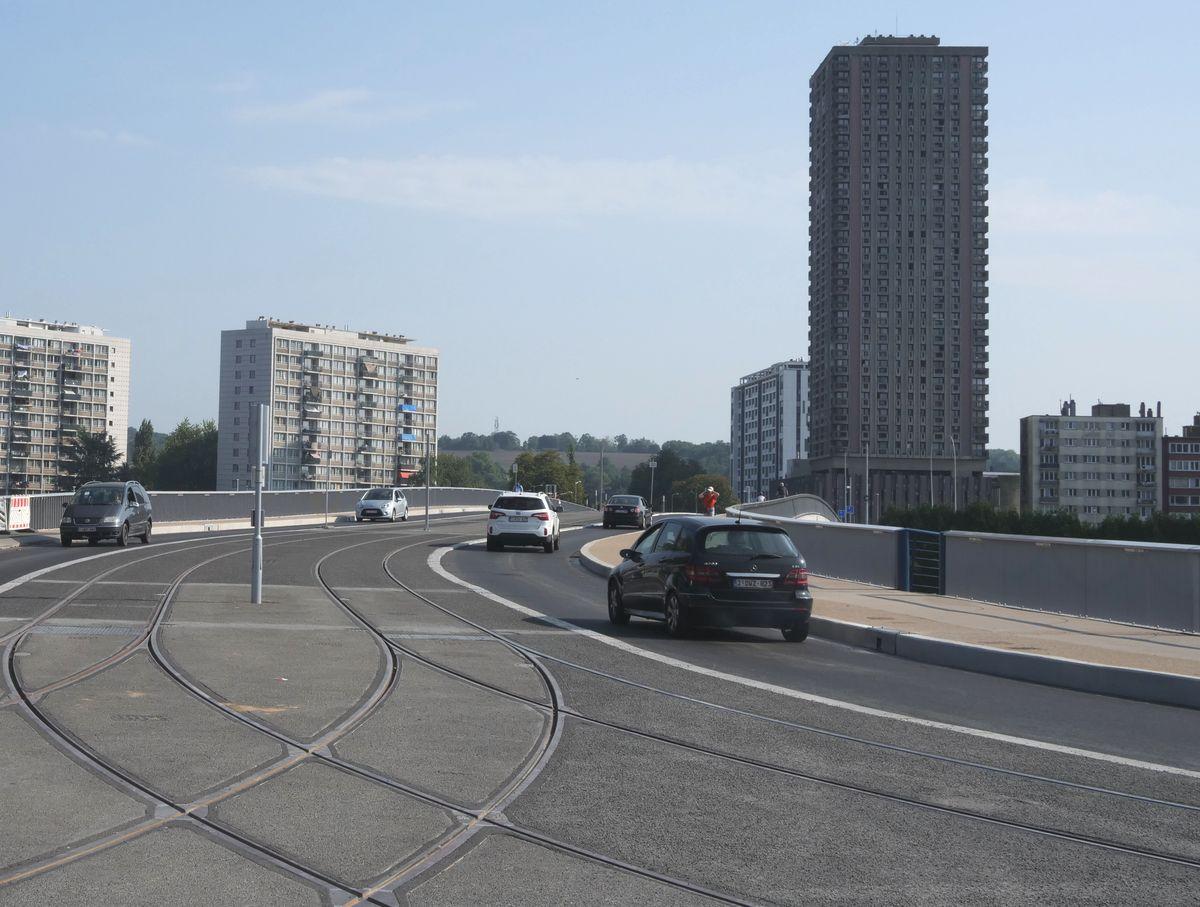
x=404 y=723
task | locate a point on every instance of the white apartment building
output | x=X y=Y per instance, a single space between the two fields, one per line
x=348 y=408
x=1094 y=467
x=768 y=427
x=56 y=379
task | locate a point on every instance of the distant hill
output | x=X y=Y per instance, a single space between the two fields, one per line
x=615 y=460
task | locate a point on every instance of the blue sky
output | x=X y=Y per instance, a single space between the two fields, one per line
x=621 y=184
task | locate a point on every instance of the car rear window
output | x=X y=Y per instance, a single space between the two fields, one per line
x=746 y=541
x=625 y=500
x=516 y=503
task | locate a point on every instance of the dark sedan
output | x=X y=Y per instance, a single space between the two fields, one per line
x=708 y=571
x=626 y=510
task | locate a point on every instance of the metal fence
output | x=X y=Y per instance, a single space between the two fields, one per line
x=45 y=510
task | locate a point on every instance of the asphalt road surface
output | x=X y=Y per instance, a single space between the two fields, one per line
x=400 y=723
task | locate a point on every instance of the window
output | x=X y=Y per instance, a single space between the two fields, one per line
x=646 y=544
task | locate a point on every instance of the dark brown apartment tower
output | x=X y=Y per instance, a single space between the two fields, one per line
x=898 y=259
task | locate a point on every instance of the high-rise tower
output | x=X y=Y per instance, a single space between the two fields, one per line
x=898 y=307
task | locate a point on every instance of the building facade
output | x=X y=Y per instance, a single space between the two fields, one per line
x=348 y=408
x=1094 y=467
x=56 y=380
x=898 y=279
x=1181 y=471
x=768 y=427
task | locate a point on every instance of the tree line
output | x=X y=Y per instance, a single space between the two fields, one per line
x=185 y=460
x=983 y=517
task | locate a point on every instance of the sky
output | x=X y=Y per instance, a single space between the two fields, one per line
x=598 y=212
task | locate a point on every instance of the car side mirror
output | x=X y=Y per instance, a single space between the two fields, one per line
x=557 y=508
x=629 y=554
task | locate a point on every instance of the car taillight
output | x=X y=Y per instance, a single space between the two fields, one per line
x=702 y=575
x=797 y=578
x=495 y=515
x=543 y=516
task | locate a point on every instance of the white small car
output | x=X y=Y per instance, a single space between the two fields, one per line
x=524 y=518
x=381 y=504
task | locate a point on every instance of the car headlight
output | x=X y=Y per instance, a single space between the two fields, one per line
x=110 y=520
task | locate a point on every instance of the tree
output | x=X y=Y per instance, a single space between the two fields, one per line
x=687 y=492
x=1001 y=460
x=188 y=459
x=477 y=470
x=671 y=469
x=90 y=458
x=536 y=470
x=143 y=457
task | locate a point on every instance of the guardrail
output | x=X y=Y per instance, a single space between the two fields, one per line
x=45 y=510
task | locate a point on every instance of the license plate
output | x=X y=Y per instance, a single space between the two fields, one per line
x=87 y=528
x=753 y=584
x=518 y=519
x=371 y=512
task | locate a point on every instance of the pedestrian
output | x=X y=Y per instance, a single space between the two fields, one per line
x=708 y=500
x=761 y=498
x=783 y=492
x=518 y=487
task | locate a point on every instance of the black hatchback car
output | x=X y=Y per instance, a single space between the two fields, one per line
x=710 y=571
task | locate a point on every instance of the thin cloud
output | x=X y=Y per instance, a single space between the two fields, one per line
x=548 y=187
x=338 y=107
x=110 y=137
x=1033 y=207
x=238 y=84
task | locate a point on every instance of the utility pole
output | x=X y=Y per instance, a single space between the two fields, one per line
x=600 y=500
x=256 y=550
x=328 y=481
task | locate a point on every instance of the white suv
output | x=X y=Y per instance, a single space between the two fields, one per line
x=524 y=518
x=381 y=504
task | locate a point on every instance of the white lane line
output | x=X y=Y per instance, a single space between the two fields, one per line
x=435 y=563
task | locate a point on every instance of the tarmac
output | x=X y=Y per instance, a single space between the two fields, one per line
x=378 y=731
x=1082 y=653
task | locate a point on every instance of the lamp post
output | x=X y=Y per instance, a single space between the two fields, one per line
x=673 y=496
x=653 y=464
x=954 y=444
x=867 y=485
x=600 y=499
x=256 y=550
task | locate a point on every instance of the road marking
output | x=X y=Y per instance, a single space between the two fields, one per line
x=435 y=563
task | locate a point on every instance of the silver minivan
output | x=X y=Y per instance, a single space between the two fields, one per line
x=107 y=510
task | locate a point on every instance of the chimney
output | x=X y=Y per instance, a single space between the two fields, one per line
x=1159 y=412
x=1142 y=410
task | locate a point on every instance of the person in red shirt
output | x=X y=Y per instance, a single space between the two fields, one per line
x=708 y=500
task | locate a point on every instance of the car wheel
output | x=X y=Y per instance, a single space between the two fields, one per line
x=557 y=541
x=146 y=535
x=404 y=519
x=548 y=546
x=797 y=632
x=492 y=546
x=66 y=540
x=677 y=625
x=123 y=535
x=392 y=517
x=616 y=607
x=358 y=519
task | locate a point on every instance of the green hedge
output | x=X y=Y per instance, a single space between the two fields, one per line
x=1180 y=530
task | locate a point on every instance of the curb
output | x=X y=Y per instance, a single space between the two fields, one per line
x=1083 y=676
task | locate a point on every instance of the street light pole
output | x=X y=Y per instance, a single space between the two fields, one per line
x=955 y=448
x=600 y=500
x=867 y=486
x=256 y=550
x=653 y=465
x=428 y=476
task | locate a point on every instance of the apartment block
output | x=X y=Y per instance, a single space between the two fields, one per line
x=1181 y=471
x=1106 y=464
x=348 y=408
x=57 y=379
x=898 y=272
x=768 y=427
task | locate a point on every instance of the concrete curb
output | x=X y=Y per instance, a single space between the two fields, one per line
x=1084 y=676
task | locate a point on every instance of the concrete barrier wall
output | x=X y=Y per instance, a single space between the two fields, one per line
x=190 y=506
x=1133 y=582
x=867 y=554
